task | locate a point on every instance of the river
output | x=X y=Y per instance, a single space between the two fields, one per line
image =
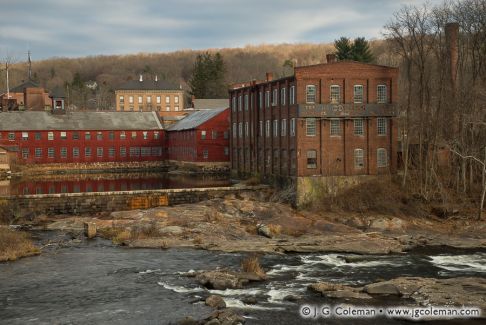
x=95 y=282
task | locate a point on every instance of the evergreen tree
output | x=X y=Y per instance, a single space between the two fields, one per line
x=344 y=48
x=359 y=50
x=208 y=77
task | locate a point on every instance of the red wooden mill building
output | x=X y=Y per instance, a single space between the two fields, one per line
x=201 y=138
x=333 y=119
x=82 y=137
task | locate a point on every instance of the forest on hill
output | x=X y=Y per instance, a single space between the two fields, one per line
x=242 y=64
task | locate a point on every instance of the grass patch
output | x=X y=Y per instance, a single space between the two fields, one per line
x=251 y=264
x=15 y=244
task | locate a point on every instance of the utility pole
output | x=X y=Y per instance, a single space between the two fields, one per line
x=8 y=89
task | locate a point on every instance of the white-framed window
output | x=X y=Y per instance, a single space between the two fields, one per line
x=233 y=103
x=203 y=135
x=50 y=135
x=335 y=94
x=140 y=99
x=63 y=152
x=99 y=152
x=158 y=99
x=75 y=152
x=261 y=128
x=167 y=99
x=292 y=127
x=123 y=135
x=358 y=94
x=381 y=125
x=275 y=128
x=267 y=98
x=310 y=127
x=358 y=158
x=311 y=159
x=335 y=127
x=292 y=95
x=246 y=102
x=130 y=99
x=176 y=99
x=247 y=130
x=240 y=130
x=122 y=100
x=149 y=99
x=38 y=152
x=176 y=108
x=63 y=135
x=234 y=130
x=358 y=126
x=167 y=108
x=25 y=135
x=282 y=96
x=267 y=128
x=275 y=97
x=25 y=153
x=240 y=106
x=50 y=152
x=310 y=94
x=381 y=157
x=283 y=127
x=381 y=94
x=205 y=153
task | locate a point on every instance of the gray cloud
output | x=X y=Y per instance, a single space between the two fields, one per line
x=89 y=27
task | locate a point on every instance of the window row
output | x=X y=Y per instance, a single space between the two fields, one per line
x=279 y=128
x=282 y=95
x=189 y=151
x=148 y=99
x=88 y=152
x=381 y=158
x=214 y=134
x=335 y=92
x=87 y=135
x=336 y=125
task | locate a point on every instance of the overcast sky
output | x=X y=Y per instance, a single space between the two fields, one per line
x=74 y=28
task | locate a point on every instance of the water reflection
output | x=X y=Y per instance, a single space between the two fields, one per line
x=107 y=183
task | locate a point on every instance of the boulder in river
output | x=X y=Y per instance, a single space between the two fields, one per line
x=264 y=230
x=215 y=301
x=382 y=288
x=338 y=291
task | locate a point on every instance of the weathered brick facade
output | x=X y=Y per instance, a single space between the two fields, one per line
x=334 y=119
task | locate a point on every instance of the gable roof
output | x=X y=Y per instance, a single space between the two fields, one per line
x=195 y=119
x=149 y=85
x=38 y=121
x=210 y=103
x=20 y=88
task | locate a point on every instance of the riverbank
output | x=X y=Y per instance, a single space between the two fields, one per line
x=253 y=223
x=15 y=244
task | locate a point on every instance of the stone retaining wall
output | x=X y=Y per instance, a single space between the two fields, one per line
x=86 y=203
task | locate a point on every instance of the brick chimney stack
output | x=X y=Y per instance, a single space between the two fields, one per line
x=331 y=57
x=452 y=34
x=269 y=76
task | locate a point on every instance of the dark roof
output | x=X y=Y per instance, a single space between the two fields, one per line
x=195 y=119
x=210 y=103
x=32 y=121
x=149 y=85
x=20 y=88
x=57 y=92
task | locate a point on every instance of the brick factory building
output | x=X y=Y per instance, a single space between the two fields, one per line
x=81 y=137
x=334 y=119
x=201 y=138
x=26 y=96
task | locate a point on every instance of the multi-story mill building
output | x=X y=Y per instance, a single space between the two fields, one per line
x=333 y=119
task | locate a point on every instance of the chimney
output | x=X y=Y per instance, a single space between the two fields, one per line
x=156 y=78
x=269 y=76
x=331 y=58
x=452 y=34
x=141 y=78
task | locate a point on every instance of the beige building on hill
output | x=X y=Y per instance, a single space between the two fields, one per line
x=150 y=95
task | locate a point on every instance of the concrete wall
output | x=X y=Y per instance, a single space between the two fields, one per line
x=87 y=203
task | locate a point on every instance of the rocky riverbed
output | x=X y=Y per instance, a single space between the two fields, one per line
x=253 y=224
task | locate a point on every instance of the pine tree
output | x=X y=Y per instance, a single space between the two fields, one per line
x=207 y=79
x=344 y=48
x=361 y=50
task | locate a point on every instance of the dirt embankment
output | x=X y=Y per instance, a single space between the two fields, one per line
x=255 y=224
x=15 y=244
